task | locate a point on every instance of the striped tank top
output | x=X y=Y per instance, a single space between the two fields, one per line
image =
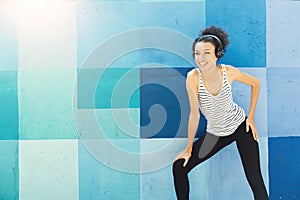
x=222 y=114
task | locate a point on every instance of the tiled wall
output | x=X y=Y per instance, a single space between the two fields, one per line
x=93 y=102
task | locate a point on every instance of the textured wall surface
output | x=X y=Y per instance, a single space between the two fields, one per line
x=93 y=102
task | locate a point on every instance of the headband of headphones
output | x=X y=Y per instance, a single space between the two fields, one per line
x=219 y=49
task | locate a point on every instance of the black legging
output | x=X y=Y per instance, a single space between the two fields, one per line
x=208 y=145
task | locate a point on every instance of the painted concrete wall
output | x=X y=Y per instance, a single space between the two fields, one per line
x=93 y=102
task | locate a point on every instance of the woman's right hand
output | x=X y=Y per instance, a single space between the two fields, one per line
x=185 y=154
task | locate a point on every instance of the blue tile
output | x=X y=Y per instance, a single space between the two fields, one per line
x=9 y=118
x=247 y=31
x=284 y=165
x=108 y=88
x=100 y=21
x=9 y=169
x=283 y=101
x=174 y=15
x=97 y=180
x=114 y=19
x=8 y=37
x=164 y=103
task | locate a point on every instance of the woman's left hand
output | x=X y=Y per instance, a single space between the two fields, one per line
x=250 y=123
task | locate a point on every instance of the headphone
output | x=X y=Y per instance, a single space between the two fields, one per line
x=219 y=52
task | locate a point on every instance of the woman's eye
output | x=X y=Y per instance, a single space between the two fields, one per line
x=207 y=52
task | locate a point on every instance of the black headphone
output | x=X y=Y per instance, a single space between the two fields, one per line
x=219 y=52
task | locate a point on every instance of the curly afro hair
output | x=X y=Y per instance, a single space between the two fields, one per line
x=215 y=31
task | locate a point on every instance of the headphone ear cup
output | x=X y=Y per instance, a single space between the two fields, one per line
x=220 y=52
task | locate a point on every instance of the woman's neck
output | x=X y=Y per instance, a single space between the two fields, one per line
x=211 y=74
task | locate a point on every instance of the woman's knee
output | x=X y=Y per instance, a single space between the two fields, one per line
x=178 y=166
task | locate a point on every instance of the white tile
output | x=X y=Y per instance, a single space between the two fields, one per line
x=47 y=34
x=48 y=169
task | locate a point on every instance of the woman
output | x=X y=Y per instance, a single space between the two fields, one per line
x=209 y=88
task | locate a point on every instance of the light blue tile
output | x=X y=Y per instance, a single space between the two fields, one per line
x=242 y=93
x=9 y=169
x=8 y=36
x=101 y=179
x=283 y=30
x=156 y=167
x=283 y=101
x=227 y=178
x=212 y=179
x=9 y=117
x=247 y=31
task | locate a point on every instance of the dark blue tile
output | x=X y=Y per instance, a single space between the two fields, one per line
x=245 y=21
x=284 y=165
x=165 y=87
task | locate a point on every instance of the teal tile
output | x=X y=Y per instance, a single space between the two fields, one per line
x=46 y=104
x=8 y=36
x=9 y=169
x=109 y=178
x=108 y=88
x=9 y=119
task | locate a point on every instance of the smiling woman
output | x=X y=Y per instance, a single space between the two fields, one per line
x=209 y=89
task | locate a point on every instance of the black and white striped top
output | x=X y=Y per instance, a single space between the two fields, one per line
x=222 y=114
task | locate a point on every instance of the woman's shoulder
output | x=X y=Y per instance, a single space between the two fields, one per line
x=230 y=69
x=193 y=74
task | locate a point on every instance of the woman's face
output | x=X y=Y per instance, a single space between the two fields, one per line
x=205 y=55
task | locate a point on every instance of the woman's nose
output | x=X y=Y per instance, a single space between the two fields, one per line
x=200 y=58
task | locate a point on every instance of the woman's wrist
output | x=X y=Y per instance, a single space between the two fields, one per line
x=189 y=148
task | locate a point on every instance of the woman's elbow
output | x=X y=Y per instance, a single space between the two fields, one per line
x=195 y=115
